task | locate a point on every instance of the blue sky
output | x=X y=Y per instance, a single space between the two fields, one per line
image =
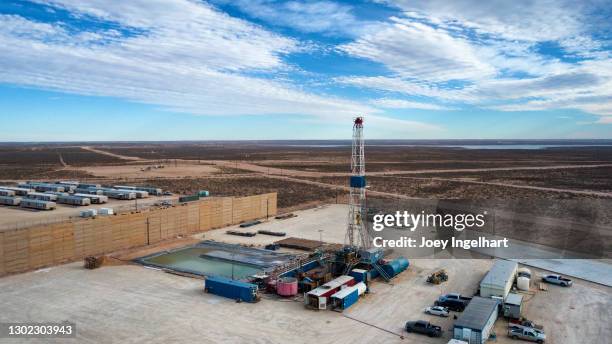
x=258 y=69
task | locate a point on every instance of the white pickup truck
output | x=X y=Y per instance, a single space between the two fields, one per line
x=529 y=334
x=557 y=279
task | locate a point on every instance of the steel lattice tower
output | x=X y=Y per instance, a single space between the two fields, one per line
x=357 y=235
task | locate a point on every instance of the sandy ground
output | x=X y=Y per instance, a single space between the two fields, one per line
x=170 y=170
x=17 y=217
x=133 y=304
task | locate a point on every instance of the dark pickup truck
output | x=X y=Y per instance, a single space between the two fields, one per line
x=454 y=302
x=424 y=327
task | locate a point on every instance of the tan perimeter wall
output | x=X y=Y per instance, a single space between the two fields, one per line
x=35 y=247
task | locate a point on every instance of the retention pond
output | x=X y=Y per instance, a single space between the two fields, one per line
x=210 y=258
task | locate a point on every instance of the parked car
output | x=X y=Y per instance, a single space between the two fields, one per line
x=529 y=334
x=557 y=279
x=437 y=310
x=454 y=302
x=424 y=327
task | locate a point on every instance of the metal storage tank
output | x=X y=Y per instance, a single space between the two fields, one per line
x=232 y=289
x=203 y=193
x=477 y=320
x=522 y=283
x=7 y=200
x=287 y=286
x=396 y=266
x=499 y=280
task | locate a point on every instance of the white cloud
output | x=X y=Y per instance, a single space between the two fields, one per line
x=405 y=104
x=419 y=51
x=307 y=16
x=179 y=54
x=394 y=127
x=488 y=54
x=524 y=20
x=408 y=87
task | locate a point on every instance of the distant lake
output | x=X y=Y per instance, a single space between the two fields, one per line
x=489 y=146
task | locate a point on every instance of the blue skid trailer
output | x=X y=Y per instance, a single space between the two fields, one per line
x=348 y=296
x=231 y=289
x=360 y=275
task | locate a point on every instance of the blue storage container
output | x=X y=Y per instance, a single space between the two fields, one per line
x=358 y=182
x=232 y=289
x=344 y=299
x=359 y=275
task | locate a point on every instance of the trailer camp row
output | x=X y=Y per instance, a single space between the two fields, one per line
x=46 y=195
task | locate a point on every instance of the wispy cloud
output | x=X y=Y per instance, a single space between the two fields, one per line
x=406 y=104
x=185 y=56
x=490 y=55
x=323 y=16
x=419 y=51
x=523 y=20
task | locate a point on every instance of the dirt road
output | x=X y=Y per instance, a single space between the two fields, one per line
x=122 y=157
x=292 y=174
x=296 y=173
x=340 y=187
x=516 y=186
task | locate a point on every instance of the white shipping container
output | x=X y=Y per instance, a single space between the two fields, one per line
x=42 y=196
x=89 y=213
x=4 y=192
x=7 y=200
x=97 y=199
x=106 y=211
x=37 y=204
x=18 y=190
